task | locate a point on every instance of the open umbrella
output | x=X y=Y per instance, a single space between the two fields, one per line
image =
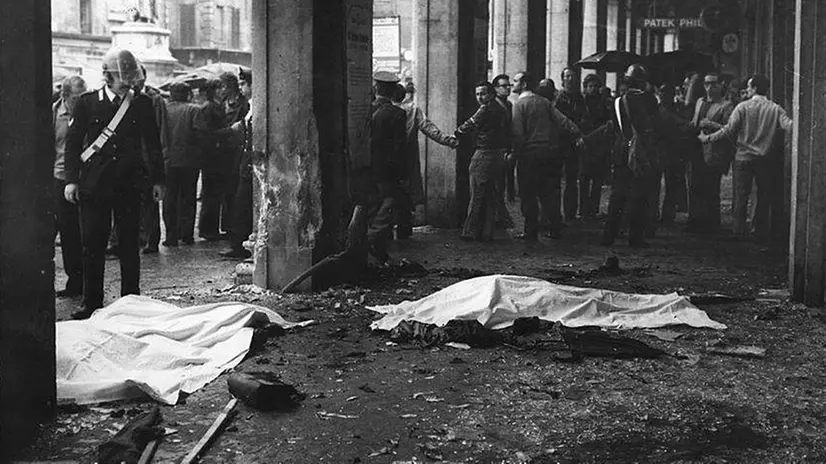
x=197 y=77
x=610 y=61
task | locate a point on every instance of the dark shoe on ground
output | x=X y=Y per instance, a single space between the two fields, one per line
x=150 y=250
x=170 y=243
x=639 y=244
x=466 y=238
x=188 y=241
x=236 y=254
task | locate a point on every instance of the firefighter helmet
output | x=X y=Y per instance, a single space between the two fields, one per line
x=636 y=73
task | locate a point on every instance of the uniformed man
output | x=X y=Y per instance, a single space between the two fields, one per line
x=112 y=178
x=387 y=164
x=635 y=159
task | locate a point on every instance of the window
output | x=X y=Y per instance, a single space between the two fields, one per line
x=187 y=23
x=85 y=16
x=235 y=30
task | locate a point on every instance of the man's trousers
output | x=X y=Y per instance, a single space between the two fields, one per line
x=67 y=222
x=631 y=194
x=95 y=215
x=538 y=173
x=179 y=203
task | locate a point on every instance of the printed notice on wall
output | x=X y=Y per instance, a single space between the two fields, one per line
x=387 y=44
x=359 y=80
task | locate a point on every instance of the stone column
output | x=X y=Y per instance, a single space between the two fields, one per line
x=302 y=193
x=590 y=27
x=557 y=39
x=451 y=55
x=807 y=255
x=519 y=34
x=510 y=35
x=612 y=37
x=27 y=310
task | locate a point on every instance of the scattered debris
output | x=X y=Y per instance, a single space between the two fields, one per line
x=366 y=388
x=740 y=351
x=352 y=398
x=602 y=344
x=327 y=415
x=264 y=391
x=130 y=442
x=458 y=346
x=409 y=416
x=222 y=418
x=664 y=334
x=713 y=298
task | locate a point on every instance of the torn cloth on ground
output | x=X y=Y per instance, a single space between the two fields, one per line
x=138 y=346
x=498 y=300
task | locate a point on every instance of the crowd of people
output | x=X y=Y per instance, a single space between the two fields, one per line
x=124 y=150
x=664 y=149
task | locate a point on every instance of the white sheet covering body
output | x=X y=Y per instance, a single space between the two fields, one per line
x=138 y=345
x=496 y=301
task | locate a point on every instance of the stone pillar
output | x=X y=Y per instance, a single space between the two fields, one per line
x=612 y=37
x=510 y=35
x=300 y=132
x=519 y=33
x=557 y=38
x=451 y=55
x=807 y=255
x=590 y=27
x=27 y=311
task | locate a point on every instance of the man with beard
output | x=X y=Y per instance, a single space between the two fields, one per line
x=571 y=103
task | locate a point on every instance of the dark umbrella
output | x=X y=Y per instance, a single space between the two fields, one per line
x=610 y=61
x=672 y=66
x=199 y=76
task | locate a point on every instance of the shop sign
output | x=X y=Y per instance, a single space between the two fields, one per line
x=671 y=23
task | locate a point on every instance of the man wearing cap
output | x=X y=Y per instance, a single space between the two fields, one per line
x=412 y=188
x=108 y=175
x=635 y=159
x=387 y=164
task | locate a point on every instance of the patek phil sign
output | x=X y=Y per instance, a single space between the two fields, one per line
x=671 y=23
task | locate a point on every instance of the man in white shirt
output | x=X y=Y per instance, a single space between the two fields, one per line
x=752 y=126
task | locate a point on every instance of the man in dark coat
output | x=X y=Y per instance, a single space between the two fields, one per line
x=635 y=159
x=113 y=178
x=387 y=164
x=571 y=103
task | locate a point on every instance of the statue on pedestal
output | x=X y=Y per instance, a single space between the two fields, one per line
x=145 y=11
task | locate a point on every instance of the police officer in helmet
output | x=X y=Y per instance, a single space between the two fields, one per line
x=105 y=175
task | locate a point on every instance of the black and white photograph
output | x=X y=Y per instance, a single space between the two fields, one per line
x=412 y=231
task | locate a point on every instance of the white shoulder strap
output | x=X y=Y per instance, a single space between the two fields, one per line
x=618 y=110
x=109 y=130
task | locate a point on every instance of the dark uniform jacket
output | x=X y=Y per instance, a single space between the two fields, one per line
x=138 y=130
x=572 y=105
x=640 y=113
x=388 y=142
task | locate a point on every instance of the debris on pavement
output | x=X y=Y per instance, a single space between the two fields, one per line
x=664 y=334
x=211 y=432
x=740 y=351
x=714 y=298
x=327 y=415
x=602 y=344
x=459 y=346
x=264 y=391
x=129 y=442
